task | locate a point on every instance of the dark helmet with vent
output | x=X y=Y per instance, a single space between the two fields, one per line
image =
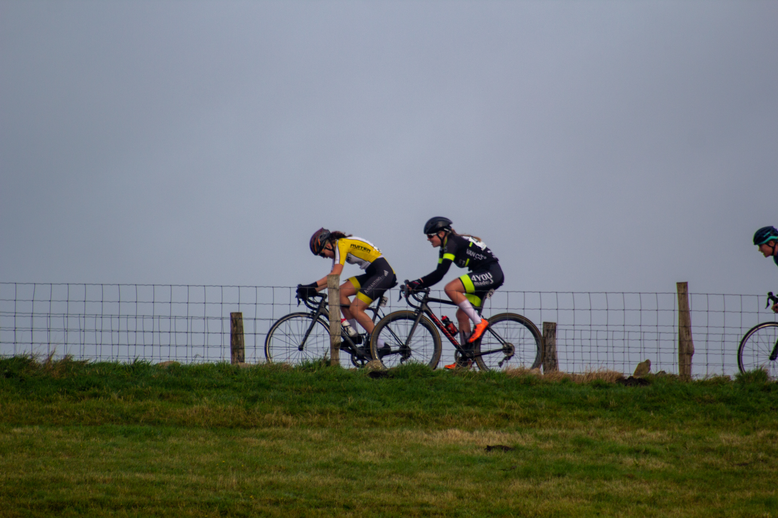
x=765 y=234
x=436 y=224
x=319 y=240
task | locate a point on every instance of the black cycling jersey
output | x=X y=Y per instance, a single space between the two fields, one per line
x=465 y=252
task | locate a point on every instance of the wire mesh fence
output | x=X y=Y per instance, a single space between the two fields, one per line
x=191 y=323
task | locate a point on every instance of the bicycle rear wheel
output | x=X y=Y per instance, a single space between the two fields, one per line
x=521 y=347
x=756 y=347
x=393 y=330
x=284 y=341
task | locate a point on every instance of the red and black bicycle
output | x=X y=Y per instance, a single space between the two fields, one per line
x=511 y=340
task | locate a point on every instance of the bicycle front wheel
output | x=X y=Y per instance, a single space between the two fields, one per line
x=393 y=333
x=510 y=341
x=756 y=348
x=286 y=341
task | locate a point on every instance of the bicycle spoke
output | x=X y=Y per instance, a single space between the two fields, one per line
x=286 y=341
x=393 y=330
x=511 y=341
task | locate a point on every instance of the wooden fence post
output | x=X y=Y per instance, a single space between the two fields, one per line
x=685 y=343
x=548 y=348
x=237 y=351
x=333 y=296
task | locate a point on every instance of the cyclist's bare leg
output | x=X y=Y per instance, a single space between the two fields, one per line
x=357 y=309
x=347 y=290
x=354 y=310
x=456 y=292
x=464 y=323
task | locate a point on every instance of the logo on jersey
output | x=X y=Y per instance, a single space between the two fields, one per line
x=475 y=255
x=360 y=247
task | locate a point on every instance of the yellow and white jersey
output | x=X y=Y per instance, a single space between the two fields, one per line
x=355 y=250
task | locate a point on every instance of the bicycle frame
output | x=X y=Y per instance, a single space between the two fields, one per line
x=319 y=309
x=421 y=307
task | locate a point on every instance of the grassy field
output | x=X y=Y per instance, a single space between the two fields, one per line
x=105 y=439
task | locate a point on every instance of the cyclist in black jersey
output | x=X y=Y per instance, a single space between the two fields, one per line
x=766 y=238
x=365 y=288
x=484 y=277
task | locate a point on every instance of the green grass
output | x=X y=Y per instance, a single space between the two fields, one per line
x=106 y=439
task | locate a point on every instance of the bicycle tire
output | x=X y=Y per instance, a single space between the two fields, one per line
x=284 y=338
x=393 y=330
x=755 y=348
x=518 y=331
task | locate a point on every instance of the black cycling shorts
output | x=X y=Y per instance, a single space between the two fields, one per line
x=378 y=278
x=481 y=283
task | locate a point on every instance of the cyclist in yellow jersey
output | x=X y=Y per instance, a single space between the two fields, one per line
x=365 y=288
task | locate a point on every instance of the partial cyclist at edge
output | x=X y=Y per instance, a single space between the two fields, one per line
x=766 y=238
x=484 y=277
x=378 y=277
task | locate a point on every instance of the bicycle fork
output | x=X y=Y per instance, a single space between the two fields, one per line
x=316 y=315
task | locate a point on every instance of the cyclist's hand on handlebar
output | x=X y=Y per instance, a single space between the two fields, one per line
x=414 y=285
x=305 y=291
x=774 y=300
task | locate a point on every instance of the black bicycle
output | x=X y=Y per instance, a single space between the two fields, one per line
x=759 y=347
x=511 y=340
x=305 y=336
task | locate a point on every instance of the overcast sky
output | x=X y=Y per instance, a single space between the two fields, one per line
x=593 y=145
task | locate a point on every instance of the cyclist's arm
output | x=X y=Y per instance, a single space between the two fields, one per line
x=435 y=277
x=322 y=283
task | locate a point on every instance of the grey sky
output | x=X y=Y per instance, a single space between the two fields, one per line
x=595 y=146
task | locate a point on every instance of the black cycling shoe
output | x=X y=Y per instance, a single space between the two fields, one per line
x=461 y=363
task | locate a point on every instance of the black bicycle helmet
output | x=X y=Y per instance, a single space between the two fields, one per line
x=319 y=240
x=765 y=234
x=436 y=224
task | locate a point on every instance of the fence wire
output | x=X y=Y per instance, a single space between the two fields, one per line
x=191 y=323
